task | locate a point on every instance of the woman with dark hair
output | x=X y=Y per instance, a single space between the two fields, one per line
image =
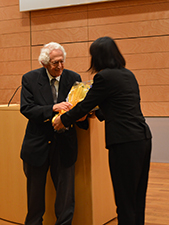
x=128 y=137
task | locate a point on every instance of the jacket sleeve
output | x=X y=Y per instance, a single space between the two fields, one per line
x=99 y=115
x=94 y=97
x=83 y=124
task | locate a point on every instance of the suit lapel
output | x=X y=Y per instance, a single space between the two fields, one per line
x=65 y=84
x=64 y=87
x=44 y=87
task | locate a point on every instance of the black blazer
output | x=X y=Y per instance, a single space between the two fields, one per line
x=36 y=106
x=116 y=92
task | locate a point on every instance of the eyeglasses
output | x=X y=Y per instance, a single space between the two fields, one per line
x=56 y=63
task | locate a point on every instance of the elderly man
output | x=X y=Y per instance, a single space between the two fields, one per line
x=43 y=94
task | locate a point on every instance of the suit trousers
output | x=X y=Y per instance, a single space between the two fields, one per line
x=63 y=179
x=129 y=167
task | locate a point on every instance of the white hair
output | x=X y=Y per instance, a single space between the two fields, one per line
x=44 y=57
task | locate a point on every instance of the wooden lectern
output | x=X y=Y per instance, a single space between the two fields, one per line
x=94 y=199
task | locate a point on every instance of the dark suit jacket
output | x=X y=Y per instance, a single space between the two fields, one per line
x=36 y=106
x=116 y=92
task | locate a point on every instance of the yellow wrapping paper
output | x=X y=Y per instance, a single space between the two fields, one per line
x=76 y=94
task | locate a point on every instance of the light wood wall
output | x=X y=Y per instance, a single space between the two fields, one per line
x=140 y=28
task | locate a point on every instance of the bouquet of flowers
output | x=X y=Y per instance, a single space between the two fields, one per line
x=76 y=94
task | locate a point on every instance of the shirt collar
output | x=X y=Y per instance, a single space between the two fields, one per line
x=50 y=77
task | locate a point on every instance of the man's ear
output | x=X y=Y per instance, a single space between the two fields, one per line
x=45 y=66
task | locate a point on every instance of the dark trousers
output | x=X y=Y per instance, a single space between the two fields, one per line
x=63 y=179
x=129 y=166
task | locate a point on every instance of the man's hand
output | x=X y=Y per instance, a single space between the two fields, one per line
x=66 y=106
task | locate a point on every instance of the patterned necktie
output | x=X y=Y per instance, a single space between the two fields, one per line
x=54 y=90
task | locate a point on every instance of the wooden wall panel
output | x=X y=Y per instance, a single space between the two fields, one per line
x=144 y=45
x=60 y=10
x=139 y=27
x=157 y=109
x=59 y=21
x=35 y=64
x=77 y=64
x=6 y=95
x=36 y=52
x=130 y=29
x=15 y=26
x=148 y=61
x=13 y=40
x=14 y=47
x=8 y=82
x=125 y=4
x=11 y=12
x=14 y=67
x=63 y=35
x=8 y=86
x=15 y=53
x=127 y=13
x=77 y=49
x=86 y=76
x=154 y=93
x=152 y=76
x=8 y=2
